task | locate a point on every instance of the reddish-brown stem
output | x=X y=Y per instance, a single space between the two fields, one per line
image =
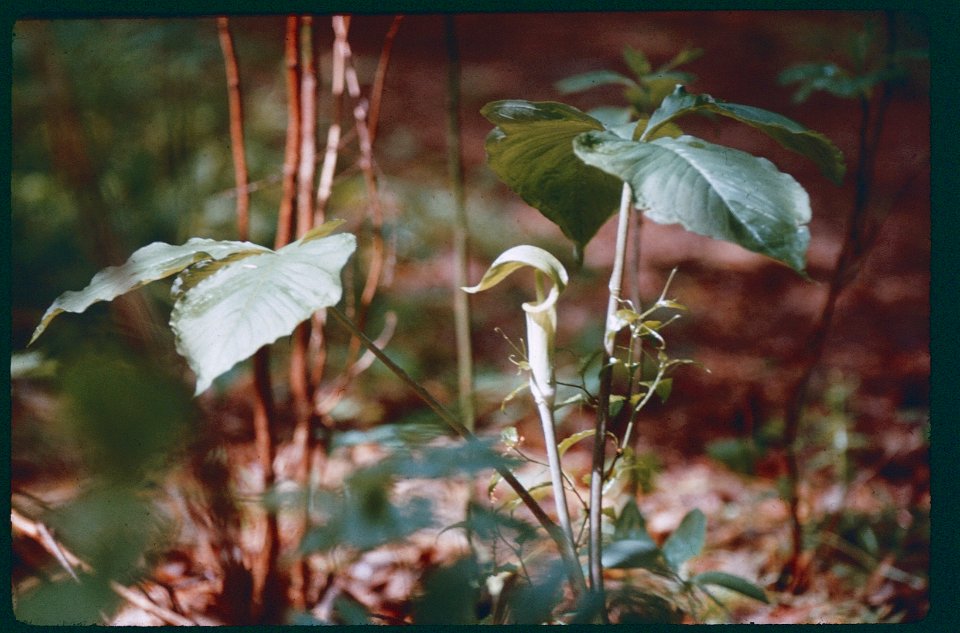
x=308 y=131
x=379 y=79
x=264 y=566
x=301 y=352
x=291 y=155
x=236 y=127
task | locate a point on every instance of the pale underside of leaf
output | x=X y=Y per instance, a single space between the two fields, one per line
x=712 y=190
x=787 y=132
x=225 y=317
x=151 y=263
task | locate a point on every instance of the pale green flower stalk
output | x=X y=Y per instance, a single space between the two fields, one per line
x=541 y=334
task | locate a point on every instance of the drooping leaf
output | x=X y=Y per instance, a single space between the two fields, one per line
x=687 y=540
x=241 y=305
x=152 y=262
x=712 y=190
x=531 y=150
x=787 y=132
x=731 y=582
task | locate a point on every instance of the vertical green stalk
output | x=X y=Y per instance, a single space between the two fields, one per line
x=461 y=302
x=606 y=382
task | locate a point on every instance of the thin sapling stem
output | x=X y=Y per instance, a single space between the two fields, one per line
x=606 y=382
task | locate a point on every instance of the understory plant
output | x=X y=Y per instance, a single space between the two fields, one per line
x=233 y=298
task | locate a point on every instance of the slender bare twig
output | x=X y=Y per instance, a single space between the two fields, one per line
x=461 y=301
x=379 y=79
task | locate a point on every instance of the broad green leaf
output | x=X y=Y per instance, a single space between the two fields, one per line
x=228 y=314
x=631 y=554
x=786 y=132
x=687 y=540
x=531 y=150
x=729 y=581
x=712 y=190
x=150 y=263
x=593 y=79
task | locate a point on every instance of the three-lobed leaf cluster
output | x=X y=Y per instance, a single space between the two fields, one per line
x=571 y=167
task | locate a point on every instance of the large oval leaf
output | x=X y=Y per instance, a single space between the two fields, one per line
x=233 y=307
x=710 y=189
x=152 y=262
x=786 y=132
x=531 y=150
